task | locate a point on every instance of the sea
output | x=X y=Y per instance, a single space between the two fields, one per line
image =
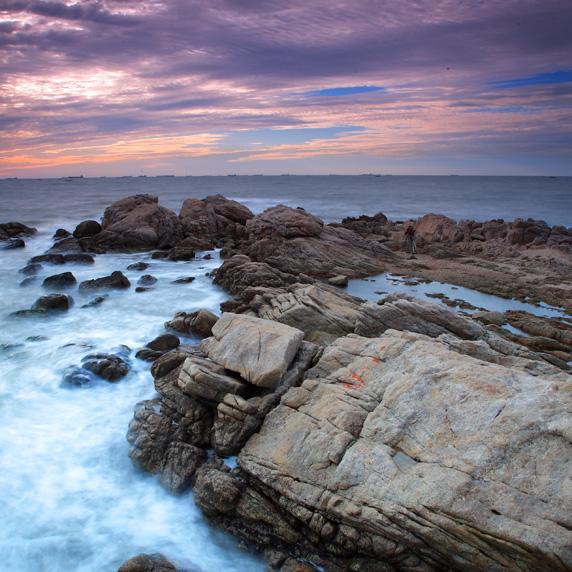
x=70 y=498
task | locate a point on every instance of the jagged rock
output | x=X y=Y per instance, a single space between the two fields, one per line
x=296 y=242
x=10 y=230
x=116 y=280
x=239 y=272
x=53 y=303
x=398 y=449
x=60 y=281
x=259 y=350
x=199 y=323
x=69 y=245
x=87 y=228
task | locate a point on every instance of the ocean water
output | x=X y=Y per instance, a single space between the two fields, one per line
x=70 y=499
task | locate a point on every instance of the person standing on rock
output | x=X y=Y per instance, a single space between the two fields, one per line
x=411 y=240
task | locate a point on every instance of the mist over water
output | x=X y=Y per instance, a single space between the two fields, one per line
x=70 y=499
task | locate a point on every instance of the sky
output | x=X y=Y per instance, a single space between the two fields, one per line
x=216 y=87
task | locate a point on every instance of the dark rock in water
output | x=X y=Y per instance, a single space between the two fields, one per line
x=142 y=289
x=61 y=233
x=53 y=303
x=69 y=244
x=76 y=376
x=181 y=254
x=199 y=323
x=147 y=280
x=109 y=367
x=79 y=258
x=186 y=280
x=60 y=281
x=33 y=268
x=160 y=255
x=48 y=259
x=139 y=266
x=87 y=228
x=95 y=302
x=28 y=281
x=147 y=354
x=164 y=342
x=148 y=563
x=32 y=313
x=36 y=338
x=12 y=244
x=10 y=230
x=115 y=281
x=10 y=346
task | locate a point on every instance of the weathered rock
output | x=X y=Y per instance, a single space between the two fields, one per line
x=61 y=233
x=397 y=449
x=164 y=342
x=69 y=245
x=87 y=228
x=48 y=259
x=53 y=303
x=136 y=223
x=147 y=563
x=59 y=281
x=178 y=254
x=297 y=242
x=139 y=266
x=115 y=281
x=79 y=258
x=9 y=230
x=259 y=350
x=107 y=366
x=339 y=280
x=199 y=323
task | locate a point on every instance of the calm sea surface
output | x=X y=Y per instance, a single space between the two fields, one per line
x=70 y=499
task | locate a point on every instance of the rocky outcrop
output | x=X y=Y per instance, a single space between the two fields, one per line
x=136 y=223
x=205 y=222
x=399 y=450
x=295 y=242
x=15 y=230
x=199 y=323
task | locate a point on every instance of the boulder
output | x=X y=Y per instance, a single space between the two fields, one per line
x=59 y=281
x=48 y=259
x=107 y=366
x=70 y=245
x=87 y=228
x=115 y=281
x=136 y=223
x=199 y=323
x=295 y=242
x=53 y=303
x=30 y=269
x=79 y=258
x=398 y=449
x=148 y=563
x=12 y=244
x=138 y=266
x=9 y=230
x=259 y=350
x=164 y=342
x=147 y=280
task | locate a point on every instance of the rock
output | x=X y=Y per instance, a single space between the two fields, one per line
x=296 y=242
x=136 y=223
x=199 y=323
x=487 y=318
x=164 y=342
x=339 y=280
x=96 y=301
x=69 y=245
x=79 y=258
x=33 y=268
x=11 y=230
x=61 y=233
x=148 y=563
x=178 y=254
x=59 y=281
x=75 y=376
x=147 y=280
x=87 y=228
x=138 y=266
x=107 y=366
x=32 y=313
x=116 y=280
x=28 y=281
x=53 y=303
x=394 y=445
x=186 y=280
x=48 y=259
x=12 y=244
x=264 y=353
x=239 y=272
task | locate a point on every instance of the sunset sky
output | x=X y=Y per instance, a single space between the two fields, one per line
x=131 y=87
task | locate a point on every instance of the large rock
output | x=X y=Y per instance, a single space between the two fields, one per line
x=398 y=449
x=10 y=230
x=206 y=221
x=296 y=242
x=115 y=281
x=259 y=350
x=136 y=223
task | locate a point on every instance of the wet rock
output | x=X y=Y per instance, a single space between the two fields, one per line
x=28 y=281
x=146 y=354
x=10 y=230
x=148 y=563
x=199 y=323
x=12 y=244
x=179 y=254
x=114 y=281
x=186 y=280
x=59 y=281
x=61 y=233
x=31 y=269
x=107 y=366
x=138 y=266
x=48 y=259
x=164 y=342
x=69 y=245
x=87 y=228
x=53 y=303
x=95 y=302
x=31 y=313
x=75 y=376
x=147 y=280
x=79 y=258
